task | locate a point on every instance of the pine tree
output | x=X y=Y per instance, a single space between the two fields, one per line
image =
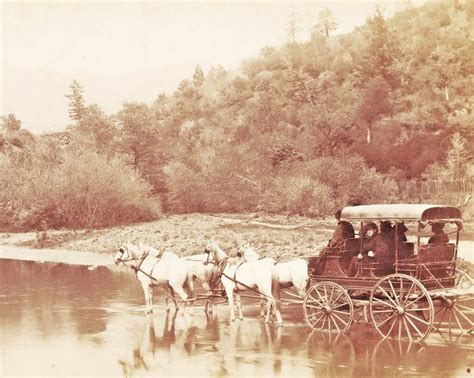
x=381 y=53
x=292 y=27
x=198 y=76
x=326 y=22
x=76 y=102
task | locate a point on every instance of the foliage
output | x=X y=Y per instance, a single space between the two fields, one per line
x=76 y=101
x=10 y=123
x=85 y=190
x=302 y=128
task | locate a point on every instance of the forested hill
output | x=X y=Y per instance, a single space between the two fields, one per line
x=302 y=128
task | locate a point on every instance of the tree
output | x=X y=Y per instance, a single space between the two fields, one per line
x=458 y=157
x=98 y=128
x=292 y=27
x=198 y=76
x=326 y=22
x=382 y=52
x=375 y=104
x=142 y=142
x=76 y=102
x=10 y=123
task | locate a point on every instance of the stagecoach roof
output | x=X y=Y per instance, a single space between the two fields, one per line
x=401 y=212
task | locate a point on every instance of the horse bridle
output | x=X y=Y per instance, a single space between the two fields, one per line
x=141 y=258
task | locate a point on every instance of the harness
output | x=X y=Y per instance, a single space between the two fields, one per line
x=137 y=268
x=218 y=272
x=236 y=282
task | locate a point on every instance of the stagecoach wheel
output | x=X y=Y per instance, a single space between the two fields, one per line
x=401 y=308
x=328 y=308
x=455 y=313
x=462 y=280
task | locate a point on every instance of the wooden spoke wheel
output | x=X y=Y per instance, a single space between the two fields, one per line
x=455 y=313
x=328 y=307
x=462 y=280
x=401 y=308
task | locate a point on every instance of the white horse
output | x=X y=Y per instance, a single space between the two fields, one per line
x=237 y=275
x=199 y=267
x=154 y=268
x=290 y=273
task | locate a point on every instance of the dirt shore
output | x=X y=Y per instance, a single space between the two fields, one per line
x=273 y=236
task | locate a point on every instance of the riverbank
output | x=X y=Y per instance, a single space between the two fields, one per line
x=187 y=234
x=273 y=236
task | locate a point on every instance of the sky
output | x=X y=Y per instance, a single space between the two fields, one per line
x=133 y=51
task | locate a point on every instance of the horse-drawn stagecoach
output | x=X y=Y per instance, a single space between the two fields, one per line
x=404 y=297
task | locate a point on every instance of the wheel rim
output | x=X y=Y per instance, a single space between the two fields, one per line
x=328 y=308
x=401 y=308
x=462 y=280
x=455 y=315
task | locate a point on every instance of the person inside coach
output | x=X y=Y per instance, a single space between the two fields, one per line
x=344 y=230
x=439 y=236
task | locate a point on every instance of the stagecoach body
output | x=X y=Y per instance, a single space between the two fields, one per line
x=406 y=298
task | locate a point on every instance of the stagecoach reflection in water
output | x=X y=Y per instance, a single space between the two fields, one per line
x=229 y=348
x=405 y=298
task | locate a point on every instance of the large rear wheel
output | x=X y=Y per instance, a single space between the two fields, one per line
x=328 y=307
x=401 y=308
x=454 y=311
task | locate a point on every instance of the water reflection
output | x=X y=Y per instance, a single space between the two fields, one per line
x=70 y=321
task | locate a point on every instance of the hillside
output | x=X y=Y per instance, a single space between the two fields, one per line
x=303 y=128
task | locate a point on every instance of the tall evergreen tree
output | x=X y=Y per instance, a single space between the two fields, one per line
x=382 y=52
x=326 y=22
x=76 y=102
x=198 y=76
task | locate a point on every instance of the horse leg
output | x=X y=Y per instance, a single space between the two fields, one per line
x=229 y=290
x=239 y=305
x=148 y=292
x=182 y=294
x=262 y=306
x=170 y=295
x=190 y=285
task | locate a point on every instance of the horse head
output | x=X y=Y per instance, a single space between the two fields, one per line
x=126 y=252
x=247 y=253
x=214 y=251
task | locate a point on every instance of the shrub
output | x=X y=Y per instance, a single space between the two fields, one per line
x=352 y=181
x=85 y=190
x=297 y=195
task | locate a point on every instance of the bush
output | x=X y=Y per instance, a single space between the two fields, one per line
x=352 y=181
x=85 y=190
x=297 y=195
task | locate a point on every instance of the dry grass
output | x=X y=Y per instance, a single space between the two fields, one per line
x=187 y=234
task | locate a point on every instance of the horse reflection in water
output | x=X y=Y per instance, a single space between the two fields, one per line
x=146 y=354
x=155 y=353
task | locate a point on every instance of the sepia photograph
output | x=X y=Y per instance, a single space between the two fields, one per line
x=237 y=188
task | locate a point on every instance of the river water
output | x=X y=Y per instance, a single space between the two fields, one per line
x=62 y=320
